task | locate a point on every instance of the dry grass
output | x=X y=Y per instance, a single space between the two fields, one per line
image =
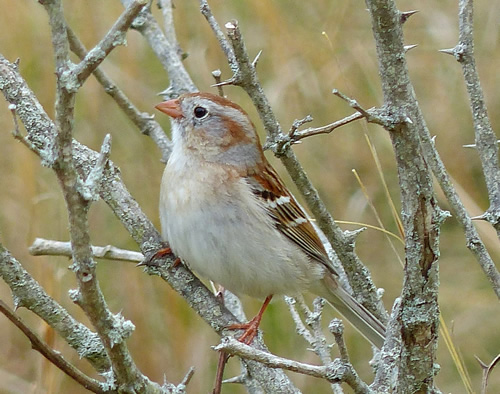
x=299 y=67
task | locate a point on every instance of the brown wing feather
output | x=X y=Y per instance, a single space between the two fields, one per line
x=289 y=218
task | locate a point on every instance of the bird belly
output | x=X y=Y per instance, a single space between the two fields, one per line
x=233 y=242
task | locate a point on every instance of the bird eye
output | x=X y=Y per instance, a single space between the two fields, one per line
x=200 y=112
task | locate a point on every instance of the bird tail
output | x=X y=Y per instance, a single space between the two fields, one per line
x=360 y=317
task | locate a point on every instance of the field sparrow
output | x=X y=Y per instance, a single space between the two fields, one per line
x=225 y=211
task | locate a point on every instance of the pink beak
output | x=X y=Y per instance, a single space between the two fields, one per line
x=171 y=108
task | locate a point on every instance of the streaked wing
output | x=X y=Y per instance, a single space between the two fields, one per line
x=289 y=218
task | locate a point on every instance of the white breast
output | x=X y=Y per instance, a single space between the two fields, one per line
x=226 y=235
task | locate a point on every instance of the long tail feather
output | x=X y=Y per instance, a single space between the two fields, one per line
x=360 y=317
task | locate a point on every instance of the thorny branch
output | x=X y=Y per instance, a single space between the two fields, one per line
x=143 y=121
x=244 y=75
x=112 y=329
x=487 y=368
x=53 y=356
x=27 y=292
x=40 y=132
x=73 y=163
x=485 y=138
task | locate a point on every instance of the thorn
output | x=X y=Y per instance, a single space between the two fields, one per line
x=480 y=217
x=406 y=15
x=240 y=379
x=230 y=81
x=449 y=51
x=255 y=61
x=167 y=93
x=352 y=235
x=481 y=363
x=475 y=146
x=409 y=47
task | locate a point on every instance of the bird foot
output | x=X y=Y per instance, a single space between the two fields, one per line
x=251 y=330
x=252 y=327
x=151 y=260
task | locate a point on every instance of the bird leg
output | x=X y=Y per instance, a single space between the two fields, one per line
x=251 y=328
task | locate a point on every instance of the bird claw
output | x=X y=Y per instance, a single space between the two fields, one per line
x=251 y=330
x=152 y=260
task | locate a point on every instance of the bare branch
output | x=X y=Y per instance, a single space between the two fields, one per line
x=301 y=134
x=336 y=327
x=143 y=121
x=246 y=77
x=54 y=357
x=45 y=247
x=314 y=336
x=27 y=292
x=114 y=38
x=389 y=356
x=487 y=368
x=421 y=214
x=219 y=34
x=473 y=241
x=166 y=50
x=235 y=347
x=486 y=140
x=335 y=372
x=90 y=188
x=112 y=329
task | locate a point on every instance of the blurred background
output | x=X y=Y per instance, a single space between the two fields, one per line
x=309 y=48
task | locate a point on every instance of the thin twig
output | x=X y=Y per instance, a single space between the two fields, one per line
x=487 y=368
x=359 y=277
x=235 y=347
x=142 y=120
x=89 y=189
x=16 y=132
x=113 y=38
x=336 y=327
x=311 y=131
x=219 y=34
x=166 y=50
x=53 y=356
x=335 y=372
x=112 y=329
x=217 y=76
x=46 y=247
x=314 y=336
x=485 y=138
x=27 y=293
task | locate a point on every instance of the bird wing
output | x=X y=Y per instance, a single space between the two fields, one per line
x=288 y=216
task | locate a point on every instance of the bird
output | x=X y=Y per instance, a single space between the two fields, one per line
x=227 y=214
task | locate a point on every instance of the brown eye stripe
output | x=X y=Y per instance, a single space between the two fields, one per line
x=237 y=132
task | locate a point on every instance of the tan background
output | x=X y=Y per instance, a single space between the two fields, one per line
x=299 y=67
